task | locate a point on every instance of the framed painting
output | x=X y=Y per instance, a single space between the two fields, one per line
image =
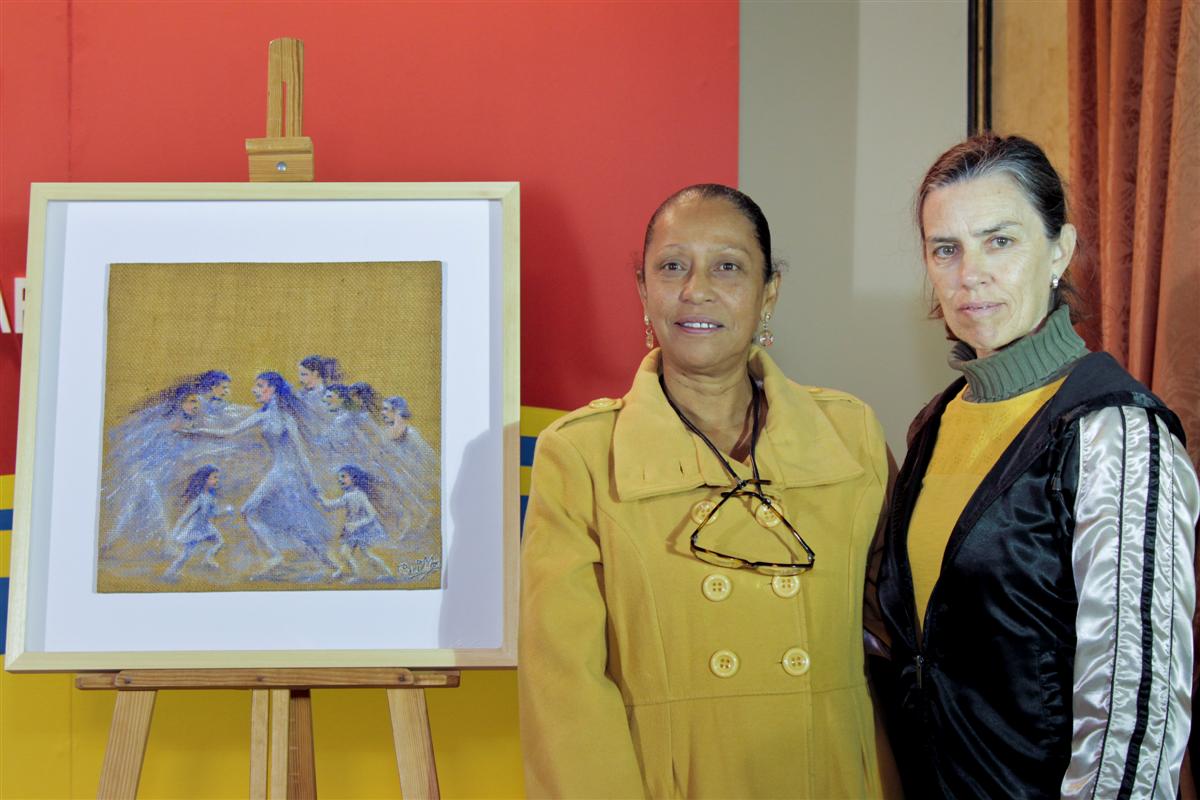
x=268 y=425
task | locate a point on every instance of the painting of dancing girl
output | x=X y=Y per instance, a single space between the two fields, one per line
x=271 y=427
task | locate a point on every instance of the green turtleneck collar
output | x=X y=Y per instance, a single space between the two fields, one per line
x=1034 y=360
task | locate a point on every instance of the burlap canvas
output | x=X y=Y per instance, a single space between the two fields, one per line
x=314 y=488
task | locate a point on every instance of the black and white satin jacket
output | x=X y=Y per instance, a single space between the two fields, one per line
x=1056 y=654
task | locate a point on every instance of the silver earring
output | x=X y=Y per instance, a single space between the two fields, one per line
x=1053 y=282
x=649 y=332
x=765 y=337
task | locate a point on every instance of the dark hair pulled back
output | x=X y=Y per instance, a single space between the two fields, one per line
x=739 y=200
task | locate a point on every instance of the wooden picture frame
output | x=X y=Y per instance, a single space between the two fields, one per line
x=60 y=622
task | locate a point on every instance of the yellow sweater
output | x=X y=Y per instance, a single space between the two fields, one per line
x=971 y=439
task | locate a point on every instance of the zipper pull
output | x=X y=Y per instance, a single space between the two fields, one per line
x=920 y=668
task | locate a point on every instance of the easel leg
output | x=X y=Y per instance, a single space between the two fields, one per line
x=302 y=773
x=280 y=703
x=126 y=745
x=260 y=720
x=414 y=747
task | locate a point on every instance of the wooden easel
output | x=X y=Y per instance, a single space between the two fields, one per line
x=281 y=740
x=280 y=723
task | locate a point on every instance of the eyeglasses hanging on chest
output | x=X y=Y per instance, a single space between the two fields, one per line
x=766 y=511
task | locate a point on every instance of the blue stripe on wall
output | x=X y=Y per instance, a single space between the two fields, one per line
x=6 y=518
x=527 y=445
x=3 y=613
x=524 y=503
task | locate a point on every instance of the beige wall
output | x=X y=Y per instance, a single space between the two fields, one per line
x=1029 y=74
x=843 y=107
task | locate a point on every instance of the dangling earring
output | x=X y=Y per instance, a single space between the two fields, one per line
x=1053 y=282
x=765 y=337
x=649 y=332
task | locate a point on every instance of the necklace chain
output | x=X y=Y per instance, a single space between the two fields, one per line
x=755 y=395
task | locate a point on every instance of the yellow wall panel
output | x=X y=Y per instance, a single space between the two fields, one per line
x=204 y=735
x=353 y=743
x=475 y=736
x=1029 y=75
x=91 y=718
x=35 y=736
x=535 y=420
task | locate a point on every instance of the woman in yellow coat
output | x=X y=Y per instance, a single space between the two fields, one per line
x=694 y=552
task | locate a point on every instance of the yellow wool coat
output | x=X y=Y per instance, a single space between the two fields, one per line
x=646 y=672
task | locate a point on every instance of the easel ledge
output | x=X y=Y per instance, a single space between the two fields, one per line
x=291 y=678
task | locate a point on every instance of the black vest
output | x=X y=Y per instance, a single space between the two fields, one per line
x=981 y=706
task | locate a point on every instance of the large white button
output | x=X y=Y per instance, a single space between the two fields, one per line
x=701 y=511
x=724 y=663
x=602 y=402
x=796 y=661
x=716 y=587
x=767 y=515
x=786 y=586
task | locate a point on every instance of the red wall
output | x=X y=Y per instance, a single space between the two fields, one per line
x=598 y=109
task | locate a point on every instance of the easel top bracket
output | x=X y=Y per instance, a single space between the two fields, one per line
x=284 y=154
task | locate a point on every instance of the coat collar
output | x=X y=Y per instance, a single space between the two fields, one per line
x=654 y=454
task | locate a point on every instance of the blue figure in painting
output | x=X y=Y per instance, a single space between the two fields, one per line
x=163 y=403
x=315 y=373
x=142 y=453
x=341 y=438
x=406 y=476
x=351 y=431
x=417 y=460
x=270 y=454
x=195 y=528
x=406 y=439
x=336 y=398
x=189 y=407
x=213 y=388
x=280 y=511
x=362 y=530
x=350 y=434
x=366 y=401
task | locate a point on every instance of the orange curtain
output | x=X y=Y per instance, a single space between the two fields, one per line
x=1135 y=187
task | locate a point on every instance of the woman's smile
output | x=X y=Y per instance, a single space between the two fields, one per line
x=698 y=325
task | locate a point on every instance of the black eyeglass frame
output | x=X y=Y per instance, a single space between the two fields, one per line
x=737 y=562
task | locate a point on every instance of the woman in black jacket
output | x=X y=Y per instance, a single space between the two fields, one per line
x=1036 y=585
